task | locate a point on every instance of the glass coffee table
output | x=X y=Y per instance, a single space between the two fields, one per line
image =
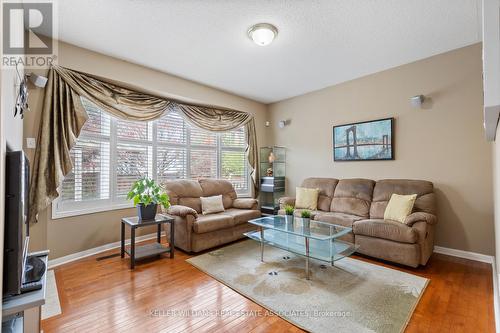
x=310 y=239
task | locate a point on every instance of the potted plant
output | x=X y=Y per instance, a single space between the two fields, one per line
x=289 y=213
x=306 y=216
x=147 y=195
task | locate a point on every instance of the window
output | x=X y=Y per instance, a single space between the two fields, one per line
x=110 y=154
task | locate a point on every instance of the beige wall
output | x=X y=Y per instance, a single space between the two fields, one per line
x=443 y=143
x=69 y=235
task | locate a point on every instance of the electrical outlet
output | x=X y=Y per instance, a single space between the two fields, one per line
x=31 y=143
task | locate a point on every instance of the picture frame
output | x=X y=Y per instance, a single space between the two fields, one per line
x=371 y=140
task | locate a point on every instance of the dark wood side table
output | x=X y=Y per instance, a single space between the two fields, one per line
x=148 y=250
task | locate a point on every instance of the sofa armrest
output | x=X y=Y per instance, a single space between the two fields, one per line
x=420 y=216
x=284 y=201
x=182 y=211
x=245 y=203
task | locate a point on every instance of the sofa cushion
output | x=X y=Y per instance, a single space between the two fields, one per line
x=211 y=187
x=402 y=253
x=326 y=188
x=210 y=205
x=194 y=203
x=353 y=196
x=184 y=192
x=242 y=215
x=306 y=198
x=212 y=222
x=342 y=219
x=386 y=229
x=399 y=207
x=384 y=189
x=245 y=203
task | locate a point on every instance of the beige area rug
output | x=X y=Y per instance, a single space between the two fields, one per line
x=52 y=307
x=353 y=296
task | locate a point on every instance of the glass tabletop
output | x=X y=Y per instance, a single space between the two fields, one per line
x=300 y=227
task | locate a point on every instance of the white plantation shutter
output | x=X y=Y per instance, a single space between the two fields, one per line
x=203 y=163
x=134 y=130
x=90 y=178
x=203 y=153
x=202 y=138
x=111 y=154
x=132 y=162
x=171 y=151
x=234 y=166
x=172 y=129
x=234 y=139
x=133 y=154
x=171 y=163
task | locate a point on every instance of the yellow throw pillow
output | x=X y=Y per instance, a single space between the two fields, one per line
x=306 y=198
x=399 y=207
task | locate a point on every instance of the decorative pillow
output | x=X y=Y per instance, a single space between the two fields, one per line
x=399 y=207
x=306 y=198
x=211 y=205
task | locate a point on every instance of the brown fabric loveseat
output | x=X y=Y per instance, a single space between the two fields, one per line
x=360 y=204
x=195 y=232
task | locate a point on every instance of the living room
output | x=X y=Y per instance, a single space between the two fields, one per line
x=310 y=166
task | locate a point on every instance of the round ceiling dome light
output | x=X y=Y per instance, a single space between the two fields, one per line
x=263 y=33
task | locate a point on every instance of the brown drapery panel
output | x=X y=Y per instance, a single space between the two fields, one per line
x=63 y=117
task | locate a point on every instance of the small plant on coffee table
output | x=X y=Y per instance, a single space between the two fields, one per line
x=289 y=209
x=306 y=214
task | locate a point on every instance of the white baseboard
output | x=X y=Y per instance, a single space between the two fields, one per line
x=83 y=254
x=465 y=254
x=90 y=252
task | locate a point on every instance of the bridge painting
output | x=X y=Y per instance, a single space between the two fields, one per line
x=366 y=141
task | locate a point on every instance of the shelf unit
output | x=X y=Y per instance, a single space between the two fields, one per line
x=272 y=181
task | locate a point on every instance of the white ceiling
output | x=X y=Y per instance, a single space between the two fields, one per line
x=320 y=42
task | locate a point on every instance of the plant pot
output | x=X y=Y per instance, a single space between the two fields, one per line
x=146 y=212
x=306 y=221
x=289 y=222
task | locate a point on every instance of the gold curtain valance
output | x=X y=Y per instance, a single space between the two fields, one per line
x=63 y=117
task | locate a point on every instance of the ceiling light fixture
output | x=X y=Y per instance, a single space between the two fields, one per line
x=263 y=33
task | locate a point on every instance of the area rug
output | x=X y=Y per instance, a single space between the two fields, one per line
x=352 y=296
x=52 y=307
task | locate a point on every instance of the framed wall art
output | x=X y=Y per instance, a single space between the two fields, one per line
x=364 y=141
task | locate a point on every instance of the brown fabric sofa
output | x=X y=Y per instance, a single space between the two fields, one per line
x=360 y=204
x=195 y=232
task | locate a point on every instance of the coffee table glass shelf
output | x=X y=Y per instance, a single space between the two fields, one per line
x=310 y=239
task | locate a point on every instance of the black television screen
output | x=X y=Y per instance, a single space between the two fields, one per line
x=16 y=233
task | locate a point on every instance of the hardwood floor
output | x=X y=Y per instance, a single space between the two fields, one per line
x=106 y=296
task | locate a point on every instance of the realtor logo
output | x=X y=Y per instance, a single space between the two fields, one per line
x=28 y=34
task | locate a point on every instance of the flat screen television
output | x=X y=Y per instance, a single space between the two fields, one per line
x=16 y=232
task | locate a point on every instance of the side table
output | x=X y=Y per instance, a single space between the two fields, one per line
x=148 y=250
